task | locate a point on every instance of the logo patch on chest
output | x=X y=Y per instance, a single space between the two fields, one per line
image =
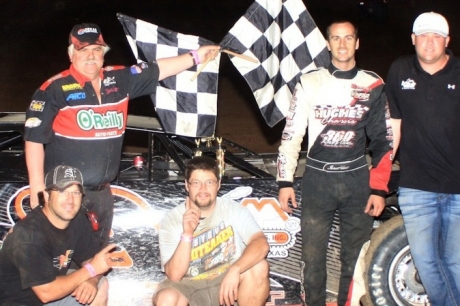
x=360 y=93
x=76 y=96
x=408 y=84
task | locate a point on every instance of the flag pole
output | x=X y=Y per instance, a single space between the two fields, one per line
x=201 y=68
x=248 y=58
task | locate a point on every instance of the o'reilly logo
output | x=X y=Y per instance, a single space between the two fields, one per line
x=88 y=120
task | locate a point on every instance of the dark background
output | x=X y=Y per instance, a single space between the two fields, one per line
x=34 y=40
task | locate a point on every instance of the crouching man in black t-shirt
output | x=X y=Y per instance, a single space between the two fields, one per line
x=36 y=255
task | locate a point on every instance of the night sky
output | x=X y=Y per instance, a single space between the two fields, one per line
x=34 y=34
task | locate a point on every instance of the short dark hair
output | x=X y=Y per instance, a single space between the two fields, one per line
x=205 y=163
x=80 y=188
x=328 y=29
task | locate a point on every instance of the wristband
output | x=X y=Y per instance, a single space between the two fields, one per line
x=196 y=58
x=90 y=269
x=186 y=238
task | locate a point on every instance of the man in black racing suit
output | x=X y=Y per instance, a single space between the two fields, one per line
x=78 y=117
x=342 y=107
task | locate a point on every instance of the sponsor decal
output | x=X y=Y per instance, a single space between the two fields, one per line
x=76 y=96
x=360 y=96
x=89 y=120
x=63 y=261
x=109 y=81
x=292 y=109
x=360 y=93
x=73 y=86
x=389 y=135
x=450 y=86
x=408 y=84
x=37 y=106
x=340 y=115
x=87 y=30
x=135 y=69
x=280 y=163
x=111 y=90
x=33 y=122
x=70 y=173
x=330 y=167
x=279 y=228
x=338 y=139
x=287 y=135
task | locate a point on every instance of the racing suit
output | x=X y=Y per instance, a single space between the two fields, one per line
x=66 y=116
x=341 y=110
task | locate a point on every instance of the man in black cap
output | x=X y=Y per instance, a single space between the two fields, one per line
x=78 y=117
x=36 y=255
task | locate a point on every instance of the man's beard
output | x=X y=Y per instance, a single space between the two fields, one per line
x=204 y=204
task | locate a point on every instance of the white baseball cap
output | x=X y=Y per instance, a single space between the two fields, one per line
x=431 y=23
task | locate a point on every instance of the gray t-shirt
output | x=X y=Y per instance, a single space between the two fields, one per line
x=218 y=241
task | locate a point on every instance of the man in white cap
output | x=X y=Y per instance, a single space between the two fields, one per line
x=424 y=99
x=35 y=257
x=78 y=117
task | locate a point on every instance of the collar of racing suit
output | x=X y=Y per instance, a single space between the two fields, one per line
x=81 y=79
x=343 y=74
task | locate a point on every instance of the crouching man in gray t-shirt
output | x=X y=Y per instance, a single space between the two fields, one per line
x=212 y=250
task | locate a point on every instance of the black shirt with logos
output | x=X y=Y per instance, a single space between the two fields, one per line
x=36 y=252
x=429 y=108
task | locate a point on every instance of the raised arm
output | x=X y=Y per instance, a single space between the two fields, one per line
x=173 y=65
x=179 y=263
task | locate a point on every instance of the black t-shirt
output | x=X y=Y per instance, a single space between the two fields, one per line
x=428 y=106
x=36 y=252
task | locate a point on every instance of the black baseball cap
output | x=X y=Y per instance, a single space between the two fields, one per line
x=62 y=177
x=86 y=34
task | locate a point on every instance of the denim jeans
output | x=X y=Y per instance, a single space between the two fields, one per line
x=432 y=222
x=65 y=301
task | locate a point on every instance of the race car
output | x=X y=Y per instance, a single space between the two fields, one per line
x=151 y=181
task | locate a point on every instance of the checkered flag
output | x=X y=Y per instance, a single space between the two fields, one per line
x=284 y=38
x=184 y=107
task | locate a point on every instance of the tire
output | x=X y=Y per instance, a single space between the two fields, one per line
x=390 y=276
